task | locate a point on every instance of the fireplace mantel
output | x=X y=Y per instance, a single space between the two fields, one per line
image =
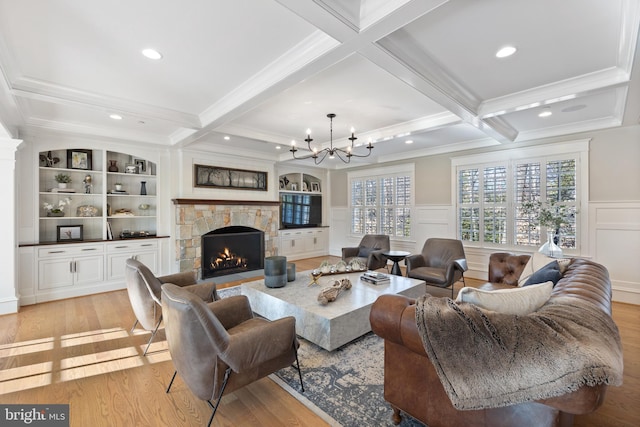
x=224 y=202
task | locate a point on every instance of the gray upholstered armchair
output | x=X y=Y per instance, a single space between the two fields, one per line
x=221 y=346
x=144 y=290
x=369 y=251
x=441 y=263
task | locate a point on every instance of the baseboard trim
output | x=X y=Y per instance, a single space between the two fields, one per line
x=9 y=306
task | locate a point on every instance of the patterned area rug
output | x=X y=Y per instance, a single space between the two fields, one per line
x=346 y=384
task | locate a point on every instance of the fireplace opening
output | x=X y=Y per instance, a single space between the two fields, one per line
x=231 y=250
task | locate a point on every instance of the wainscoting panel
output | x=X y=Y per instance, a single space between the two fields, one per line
x=615 y=238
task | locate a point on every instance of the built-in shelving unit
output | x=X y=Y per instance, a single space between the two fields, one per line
x=83 y=249
x=91 y=199
x=304 y=242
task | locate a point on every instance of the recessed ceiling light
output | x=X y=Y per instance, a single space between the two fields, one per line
x=226 y=138
x=278 y=147
x=116 y=116
x=545 y=113
x=152 y=54
x=409 y=141
x=505 y=51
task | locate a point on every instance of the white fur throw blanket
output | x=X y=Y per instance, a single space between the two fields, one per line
x=486 y=359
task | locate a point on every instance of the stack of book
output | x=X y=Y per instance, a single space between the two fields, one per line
x=375 y=278
x=63 y=190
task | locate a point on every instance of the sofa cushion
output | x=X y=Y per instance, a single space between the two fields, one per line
x=520 y=301
x=536 y=262
x=548 y=273
x=364 y=251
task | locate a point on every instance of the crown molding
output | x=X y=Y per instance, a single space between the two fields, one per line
x=110 y=133
x=57 y=94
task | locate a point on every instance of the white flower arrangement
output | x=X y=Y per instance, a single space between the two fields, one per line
x=57 y=208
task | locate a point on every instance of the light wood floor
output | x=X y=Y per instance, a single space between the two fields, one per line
x=79 y=351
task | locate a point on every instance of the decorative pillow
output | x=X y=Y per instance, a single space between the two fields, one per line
x=364 y=252
x=536 y=262
x=564 y=264
x=548 y=273
x=520 y=301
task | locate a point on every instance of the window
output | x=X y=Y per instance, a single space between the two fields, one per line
x=380 y=201
x=495 y=195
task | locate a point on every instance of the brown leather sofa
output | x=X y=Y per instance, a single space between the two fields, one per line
x=412 y=385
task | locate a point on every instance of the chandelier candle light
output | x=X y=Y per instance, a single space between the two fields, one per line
x=319 y=155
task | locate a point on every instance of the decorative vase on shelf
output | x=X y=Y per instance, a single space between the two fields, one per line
x=113 y=166
x=62 y=185
x=550 y=248
x=55 y=213
x=143 y=188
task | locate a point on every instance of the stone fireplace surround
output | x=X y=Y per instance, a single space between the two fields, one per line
x=195 y=217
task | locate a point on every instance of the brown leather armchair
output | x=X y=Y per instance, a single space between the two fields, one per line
x=221 y=346
x=369 y=251
x=144 y=290
x=442 y=263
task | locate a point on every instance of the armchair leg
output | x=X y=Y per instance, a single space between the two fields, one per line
x=171 y=382
x=153 y=334
x=299 y=371
x=224 y=385
x=134 y=326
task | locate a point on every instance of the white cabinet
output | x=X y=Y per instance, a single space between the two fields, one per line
x=56 y=271
x=63 y=266
x=117 y=253
x=303 y=243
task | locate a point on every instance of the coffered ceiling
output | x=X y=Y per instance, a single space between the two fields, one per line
x=260 y=72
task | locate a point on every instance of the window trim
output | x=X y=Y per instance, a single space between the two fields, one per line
x=579 y=149
x=377 y=173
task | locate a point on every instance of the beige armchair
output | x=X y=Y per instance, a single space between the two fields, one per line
x=144 y=290
x=441 y=263
x=369 y=251
x=221 y=346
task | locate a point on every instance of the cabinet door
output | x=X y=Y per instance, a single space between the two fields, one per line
x=55 y=273
x=144 y=251
x=88 y=270
x=150 y=259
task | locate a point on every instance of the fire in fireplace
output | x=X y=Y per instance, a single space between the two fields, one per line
x=226 y=260
x=232 y=250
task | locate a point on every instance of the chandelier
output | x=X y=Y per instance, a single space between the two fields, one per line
x=319 y=155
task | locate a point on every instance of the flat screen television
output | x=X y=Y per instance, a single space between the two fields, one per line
x=300 y=210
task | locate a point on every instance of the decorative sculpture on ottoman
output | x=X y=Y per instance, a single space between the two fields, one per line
x=329 y=294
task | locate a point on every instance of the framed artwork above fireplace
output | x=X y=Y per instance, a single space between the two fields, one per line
x=219 y=177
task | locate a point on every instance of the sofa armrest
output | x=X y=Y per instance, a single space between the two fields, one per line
x=180 y=279
x=232 y=311
x=393 y=318
x=506 y=268
x=414 y=261
x=349 y=252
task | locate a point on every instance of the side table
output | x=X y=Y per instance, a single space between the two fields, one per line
x=396 y=257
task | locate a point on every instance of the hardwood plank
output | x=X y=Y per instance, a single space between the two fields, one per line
x=80 y=351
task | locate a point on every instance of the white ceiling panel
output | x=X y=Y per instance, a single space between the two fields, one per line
x=263 y=71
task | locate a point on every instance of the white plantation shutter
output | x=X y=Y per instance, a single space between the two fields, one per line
x=382 y=204
x=490 y=198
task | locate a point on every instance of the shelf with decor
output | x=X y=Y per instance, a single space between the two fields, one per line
x=77 y=188
x=296 y=182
